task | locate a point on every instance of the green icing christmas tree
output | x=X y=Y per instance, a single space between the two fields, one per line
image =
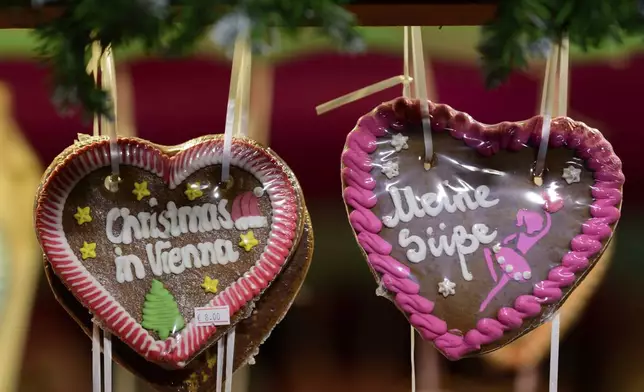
x=160 y=311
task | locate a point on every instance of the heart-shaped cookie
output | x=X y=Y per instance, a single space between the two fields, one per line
x=171 y=239
x=472 y=251
x=251 y=332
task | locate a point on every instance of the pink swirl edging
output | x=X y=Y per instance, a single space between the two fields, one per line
x=588 y=143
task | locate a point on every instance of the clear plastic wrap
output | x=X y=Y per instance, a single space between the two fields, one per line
x=171 y=239
x=473 y=251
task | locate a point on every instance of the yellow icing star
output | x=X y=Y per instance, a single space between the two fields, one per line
x=248 y=241
x=141 y=190
x=82 y=215
x=88 y=250
x=193 y=191
x=210 y=285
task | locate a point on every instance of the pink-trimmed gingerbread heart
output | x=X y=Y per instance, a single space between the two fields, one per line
x=171 y=239
x=472 y=251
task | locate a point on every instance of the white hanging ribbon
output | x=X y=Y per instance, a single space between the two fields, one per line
x=393 y=81
x=96 y=358
x=406 y=43
x=555 y=82
x=220 y=363
x=236 y=126
x=238 y=99
x=420 y=92
x=407 y=94
x=101 y=66
x=413 y=359
x=554 y=354
x=107 y=361
x=547 y=97
x=230 y=355
x=109 y=125
x=562 y=110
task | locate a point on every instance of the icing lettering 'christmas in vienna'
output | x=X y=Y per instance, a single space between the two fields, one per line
x=432 y=204
x=174 y=222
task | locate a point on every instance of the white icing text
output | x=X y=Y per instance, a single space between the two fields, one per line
x=122 y=227
x=459 y=242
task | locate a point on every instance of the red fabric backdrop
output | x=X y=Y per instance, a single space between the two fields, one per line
x=180 y=99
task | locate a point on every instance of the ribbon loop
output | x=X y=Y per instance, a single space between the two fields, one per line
x=420 y=92
x=554 y=91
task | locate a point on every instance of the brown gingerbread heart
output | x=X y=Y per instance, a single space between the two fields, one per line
x=251 y=332
x=472 y=251
x=171 y=239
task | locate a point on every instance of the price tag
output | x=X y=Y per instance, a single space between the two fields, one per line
x=212 y=315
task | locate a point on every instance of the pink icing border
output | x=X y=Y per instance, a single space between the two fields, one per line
x=175 y=350
x=588 y=143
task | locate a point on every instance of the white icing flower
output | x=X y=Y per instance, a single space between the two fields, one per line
x=571 y=174
x=446 y=287
x=390 y=169
x=399 y=141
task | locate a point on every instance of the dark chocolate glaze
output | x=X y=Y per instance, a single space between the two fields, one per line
x=508 y=175
x=185 y=287
x=199 y=374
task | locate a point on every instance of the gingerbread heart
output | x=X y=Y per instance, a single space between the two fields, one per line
x=251 y=332
x=472 y=251
x=171 y=239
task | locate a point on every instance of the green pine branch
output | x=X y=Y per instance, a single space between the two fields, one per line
x=522 y=29
x=169 y=28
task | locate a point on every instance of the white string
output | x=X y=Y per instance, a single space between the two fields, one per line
x=407 y=94
x=109 y=125
x=554 y=354
x=228 y=140
x=420 y=89
x=547 y=96
x=104 y=61
x=406 y=85
x=413 y=359
x=230 y=355
x=220 y=363
x=237 y=100
x=562 y=110
x=96 y=358
x=107 y=361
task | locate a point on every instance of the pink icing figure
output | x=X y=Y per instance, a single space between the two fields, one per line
x=510 y=254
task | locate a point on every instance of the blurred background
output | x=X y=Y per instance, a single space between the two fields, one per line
x=339 y=336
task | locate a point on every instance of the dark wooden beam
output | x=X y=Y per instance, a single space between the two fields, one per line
x=368 y=13
x=443 y=13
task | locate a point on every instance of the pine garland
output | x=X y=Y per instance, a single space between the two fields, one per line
x=522 y=29
x=170 y=28
x=525 y=28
